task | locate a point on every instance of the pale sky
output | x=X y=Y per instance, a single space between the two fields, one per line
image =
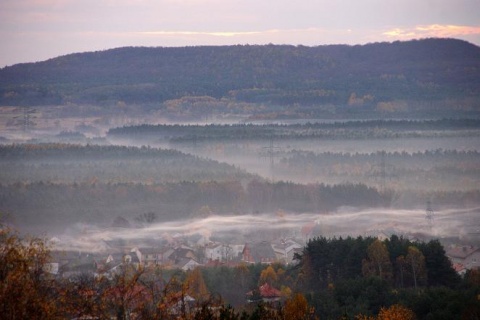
x=36 y=30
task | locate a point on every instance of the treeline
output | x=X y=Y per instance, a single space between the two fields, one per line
x=40 y=203
x=364 y=77
x=438 y=169
x=46 y=203
x=337 y=130
x=352 y=278
x=68 y=163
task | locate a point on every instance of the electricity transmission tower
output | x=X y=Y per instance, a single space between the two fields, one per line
x=26 y=118
x=271 y=152
x=380 y=172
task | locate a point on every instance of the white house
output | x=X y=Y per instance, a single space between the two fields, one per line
x=187 y=264
x=285 y=249
x=468 y=256
x=214 y=251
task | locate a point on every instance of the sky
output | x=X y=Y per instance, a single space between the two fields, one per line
x=36 y=30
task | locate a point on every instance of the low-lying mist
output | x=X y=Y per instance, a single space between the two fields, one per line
x=460 y=224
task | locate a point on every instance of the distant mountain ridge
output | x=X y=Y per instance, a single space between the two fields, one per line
x=361 y=75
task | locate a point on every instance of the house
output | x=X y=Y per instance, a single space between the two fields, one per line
x=214 y=251
x=381 y=235
x=261 y=252
x=265 y=293
x=198 y=240
x=187 y=264
x=236 y=251
x=460 y=269
x=222 y=252
x=285 y=249
x=132 y=259
x=182 y=252
x=116 y=264
x=76 y=264
x=468 y=256
x=179 y=303
x=149 y=256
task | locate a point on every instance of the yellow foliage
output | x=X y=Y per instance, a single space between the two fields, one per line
x=268 y=275
x=195 y=285
x=297 y=308
x=396 y=312
x=24 y=293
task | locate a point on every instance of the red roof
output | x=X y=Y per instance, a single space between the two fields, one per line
x=458 y=267
x=461 y=252
x=267 y=291
x=308 y=228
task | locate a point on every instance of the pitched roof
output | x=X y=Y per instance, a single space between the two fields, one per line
x=150 y=250
x=459 y=267
x=267 y=291
x=461 y=252
x=261 y=251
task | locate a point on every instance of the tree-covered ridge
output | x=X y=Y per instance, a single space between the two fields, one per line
x=60 y=204
x=438 y=169
x=68 y=163
x=30 y=204
x=336 y=130
x=368 y=75
x=80 y=152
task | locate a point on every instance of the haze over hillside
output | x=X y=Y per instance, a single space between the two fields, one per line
x=430 y=74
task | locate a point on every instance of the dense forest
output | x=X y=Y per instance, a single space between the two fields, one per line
x=64 y=184
x=368 y=129
x=351 y=278
x=286 y=81
x=56 y=185
x=296 y=150
x=69 y=163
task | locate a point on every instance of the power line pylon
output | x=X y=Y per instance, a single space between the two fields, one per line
x=429 y=214
x=383 y=171
x=271 y=152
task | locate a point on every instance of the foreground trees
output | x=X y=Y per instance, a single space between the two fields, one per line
x=417 y=276
x=360 y=278
x=25 y=290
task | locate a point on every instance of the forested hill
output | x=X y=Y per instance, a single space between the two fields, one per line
x=378 y=74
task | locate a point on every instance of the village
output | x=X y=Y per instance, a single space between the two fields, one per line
x=187 y=251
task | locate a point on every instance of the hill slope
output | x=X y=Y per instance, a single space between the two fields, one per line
x=419 y=70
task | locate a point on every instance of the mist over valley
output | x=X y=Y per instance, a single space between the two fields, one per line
x=167 y=182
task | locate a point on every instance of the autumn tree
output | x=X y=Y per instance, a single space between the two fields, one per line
x=401 y=264
x=416 y=261
x=82 y=297
x=297 y=308
x=125 y=294
x=195 y=285
x=396 y=312
x=378 y=261
x=269 y=276
x=25 y=291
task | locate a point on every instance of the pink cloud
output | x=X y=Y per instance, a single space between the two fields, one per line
x=433 y=30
